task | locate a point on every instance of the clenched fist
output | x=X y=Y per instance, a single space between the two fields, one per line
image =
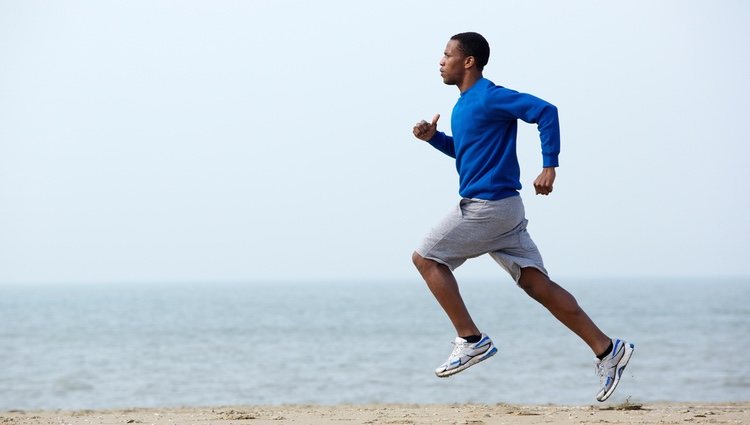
x=424 y=130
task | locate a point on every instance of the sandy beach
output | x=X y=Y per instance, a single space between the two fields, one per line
x=470 y=414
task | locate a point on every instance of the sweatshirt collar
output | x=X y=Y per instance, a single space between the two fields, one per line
x=482 y=82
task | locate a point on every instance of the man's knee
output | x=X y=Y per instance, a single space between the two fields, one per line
x=534 y=282
x=418 y=260
x=422 y=264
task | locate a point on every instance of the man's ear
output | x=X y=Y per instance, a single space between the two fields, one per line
x=469 y=62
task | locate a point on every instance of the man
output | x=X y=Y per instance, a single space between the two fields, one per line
x=490 y=217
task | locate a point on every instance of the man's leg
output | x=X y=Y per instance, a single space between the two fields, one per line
x=444 y=287
x=613 y=355
x=564 y=307
x=466 y=351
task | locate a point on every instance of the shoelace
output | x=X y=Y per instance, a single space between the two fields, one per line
x=458 y=347
x=600 y=370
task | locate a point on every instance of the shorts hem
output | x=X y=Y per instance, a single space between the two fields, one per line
x=516 y=274
x=435 y=259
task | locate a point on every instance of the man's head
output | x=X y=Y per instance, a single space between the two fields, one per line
x=465 y=56
x=473 y=44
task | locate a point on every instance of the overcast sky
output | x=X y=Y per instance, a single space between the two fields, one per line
x=147 y=141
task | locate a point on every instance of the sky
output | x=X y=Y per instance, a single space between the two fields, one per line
x=176 y=141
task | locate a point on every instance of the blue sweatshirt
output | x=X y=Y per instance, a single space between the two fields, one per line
x=484 y=125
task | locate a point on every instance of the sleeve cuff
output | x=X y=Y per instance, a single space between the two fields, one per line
x=436 y=138
x=550 y=160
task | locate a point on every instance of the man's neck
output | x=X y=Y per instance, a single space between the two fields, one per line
x=469 y=81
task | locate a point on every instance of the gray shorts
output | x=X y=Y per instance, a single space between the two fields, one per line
x=478 y=227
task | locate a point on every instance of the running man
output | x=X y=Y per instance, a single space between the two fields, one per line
x=490 y=217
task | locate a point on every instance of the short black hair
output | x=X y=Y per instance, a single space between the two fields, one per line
x=473 y=44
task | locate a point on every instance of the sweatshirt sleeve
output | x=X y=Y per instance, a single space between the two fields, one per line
x=510 y=104
x=443 y=143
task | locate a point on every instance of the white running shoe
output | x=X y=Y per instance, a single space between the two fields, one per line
x=466 y=354
x=611 y=367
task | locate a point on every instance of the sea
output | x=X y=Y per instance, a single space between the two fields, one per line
x=92 y=346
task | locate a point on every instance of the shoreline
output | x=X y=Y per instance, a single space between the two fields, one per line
x=417 y=414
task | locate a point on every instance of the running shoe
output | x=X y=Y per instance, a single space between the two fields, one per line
x=466 y=354
x=611 y=367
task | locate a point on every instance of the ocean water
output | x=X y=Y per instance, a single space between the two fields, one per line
x=103 y=346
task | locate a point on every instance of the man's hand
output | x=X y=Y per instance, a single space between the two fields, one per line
x=543 y=183
x=424 y=130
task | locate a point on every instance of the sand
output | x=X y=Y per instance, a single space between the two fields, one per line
x=470 y=414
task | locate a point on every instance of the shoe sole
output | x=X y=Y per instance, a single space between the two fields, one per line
x=474 y=360
x=629 y=349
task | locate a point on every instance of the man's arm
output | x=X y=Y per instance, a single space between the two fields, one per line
x=533 y=110
x=511 y=104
